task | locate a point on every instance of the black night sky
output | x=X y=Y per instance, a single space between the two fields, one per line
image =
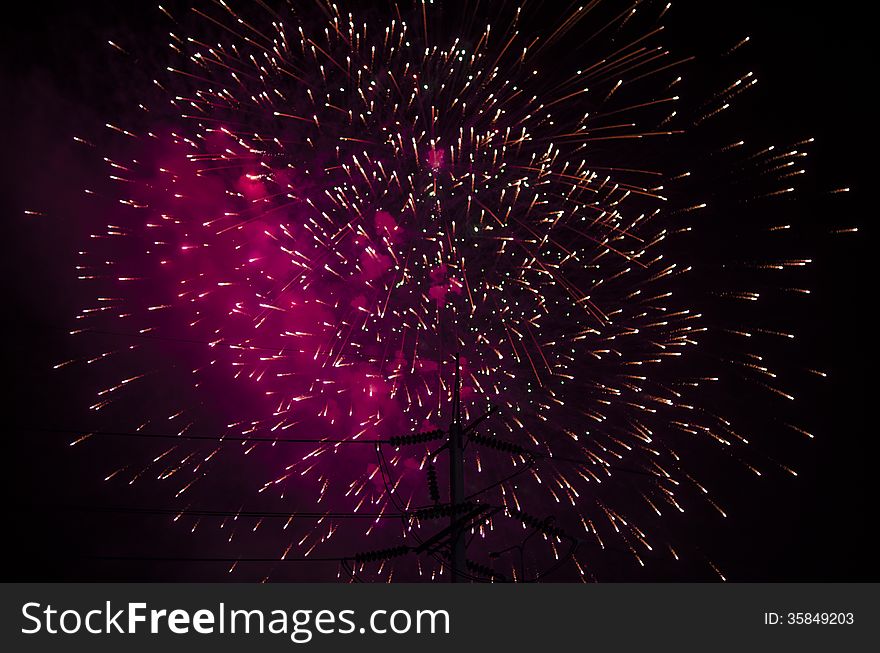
x=814 y=65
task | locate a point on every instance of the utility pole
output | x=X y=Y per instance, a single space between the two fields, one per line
x=456 y=481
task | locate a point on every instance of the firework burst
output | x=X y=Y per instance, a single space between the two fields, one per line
x=315 y=211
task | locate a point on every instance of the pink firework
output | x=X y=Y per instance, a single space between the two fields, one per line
x=315 y=212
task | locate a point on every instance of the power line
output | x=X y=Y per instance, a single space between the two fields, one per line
x=208 y=559
x=190 y=341
x=448 y=543
x=215 y=513
x=394 y=441
x=212 y=438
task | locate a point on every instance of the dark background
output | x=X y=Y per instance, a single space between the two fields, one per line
x=814 y=65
